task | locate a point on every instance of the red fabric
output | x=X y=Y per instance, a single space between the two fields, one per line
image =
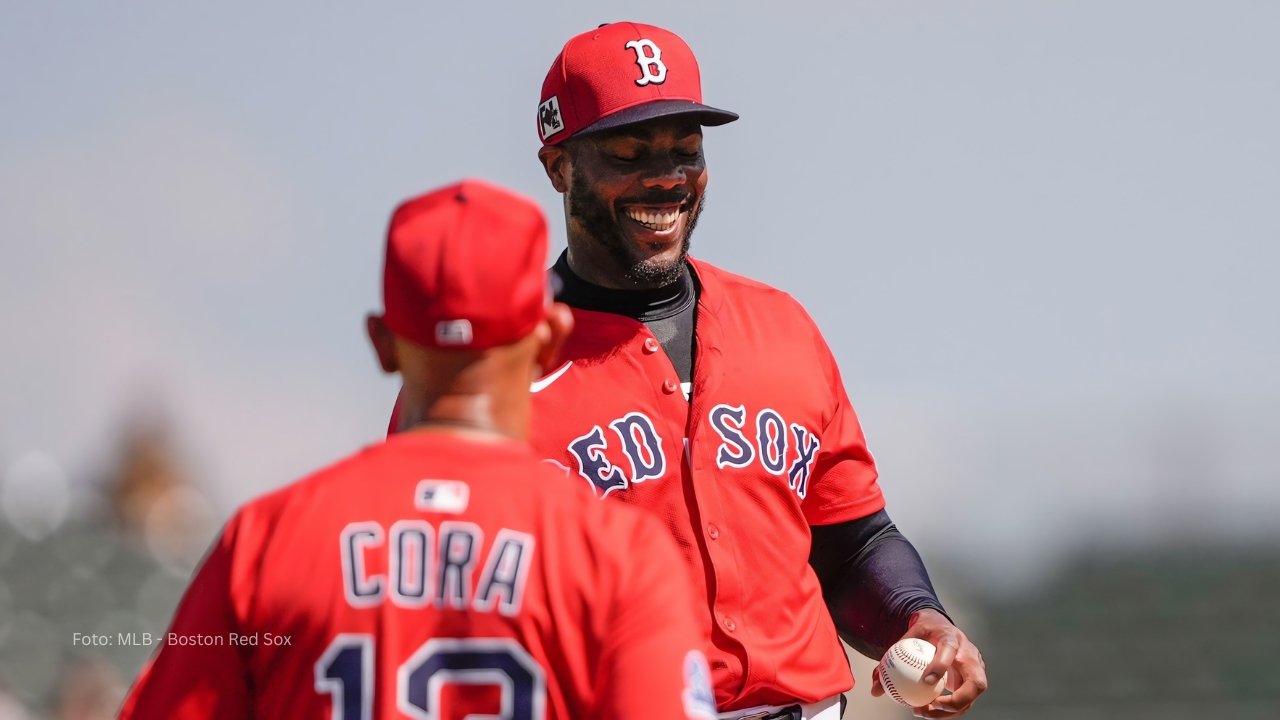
x=610 y=629
x=464 y=267
x=743 y=530
x=597 y=74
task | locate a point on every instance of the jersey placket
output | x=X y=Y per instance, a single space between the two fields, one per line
x=718 y=544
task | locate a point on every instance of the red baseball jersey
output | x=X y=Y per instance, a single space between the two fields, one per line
x=769 y=446
x=433 y=577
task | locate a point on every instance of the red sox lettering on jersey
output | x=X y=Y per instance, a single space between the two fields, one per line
x=768 y=445
x=773 y=448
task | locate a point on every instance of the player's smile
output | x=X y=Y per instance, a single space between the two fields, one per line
x=661 y=220
x=655 y=227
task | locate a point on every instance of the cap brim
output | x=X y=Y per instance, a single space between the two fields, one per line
x=705 y=114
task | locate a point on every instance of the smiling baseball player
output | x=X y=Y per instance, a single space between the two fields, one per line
x=446 y=573
x=713 y=402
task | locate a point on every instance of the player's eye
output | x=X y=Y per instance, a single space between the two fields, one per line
x=623 y=152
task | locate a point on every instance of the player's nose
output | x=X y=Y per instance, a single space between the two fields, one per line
x=666 y=174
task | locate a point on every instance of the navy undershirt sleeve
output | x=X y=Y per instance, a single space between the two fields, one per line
x=872 y=579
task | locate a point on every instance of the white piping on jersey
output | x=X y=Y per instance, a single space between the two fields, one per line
x=542 y=384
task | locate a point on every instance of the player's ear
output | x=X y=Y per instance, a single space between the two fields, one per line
x=558 y=323
x=558 y=166
x=383 y=341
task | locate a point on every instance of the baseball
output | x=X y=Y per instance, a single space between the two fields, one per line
x=901 y=671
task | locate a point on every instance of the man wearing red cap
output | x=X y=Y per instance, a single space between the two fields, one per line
x=447 y=572
x=713 y=401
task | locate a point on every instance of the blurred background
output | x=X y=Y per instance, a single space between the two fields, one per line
x=1041 y=238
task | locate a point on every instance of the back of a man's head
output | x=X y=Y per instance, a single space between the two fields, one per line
x=468 y=314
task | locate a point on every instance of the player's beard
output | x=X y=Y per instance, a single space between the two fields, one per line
x=603 y=228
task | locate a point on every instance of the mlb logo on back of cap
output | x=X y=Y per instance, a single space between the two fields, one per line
x=453 y=332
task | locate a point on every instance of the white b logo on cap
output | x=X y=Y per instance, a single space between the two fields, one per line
x=649 y=58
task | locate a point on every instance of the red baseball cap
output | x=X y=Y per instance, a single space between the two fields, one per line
x=618 y=74
x=464 y=267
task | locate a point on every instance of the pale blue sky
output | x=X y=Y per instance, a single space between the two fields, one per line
x=1041 y=237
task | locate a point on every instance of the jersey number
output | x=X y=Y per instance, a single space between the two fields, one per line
x=346 y=672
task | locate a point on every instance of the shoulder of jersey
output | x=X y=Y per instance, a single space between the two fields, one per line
x=551 y=479
x=527 y=481
x=735 y=283
x=744 y=290
x=274 y=501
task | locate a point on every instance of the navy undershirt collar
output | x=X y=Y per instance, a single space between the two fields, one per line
x=645 y=305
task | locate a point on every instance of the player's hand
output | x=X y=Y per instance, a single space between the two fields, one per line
x=956 y=656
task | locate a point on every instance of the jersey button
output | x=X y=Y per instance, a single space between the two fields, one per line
x=669 y=386
x=730 y=625
x=713 y=532
x=650 y=346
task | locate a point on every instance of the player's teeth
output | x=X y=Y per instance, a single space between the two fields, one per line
x=654 y=220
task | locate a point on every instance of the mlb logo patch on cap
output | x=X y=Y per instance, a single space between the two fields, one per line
x=453 y=332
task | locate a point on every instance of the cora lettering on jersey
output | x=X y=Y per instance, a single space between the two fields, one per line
x=435 y=566
x=767 y=440
x=764 y=439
